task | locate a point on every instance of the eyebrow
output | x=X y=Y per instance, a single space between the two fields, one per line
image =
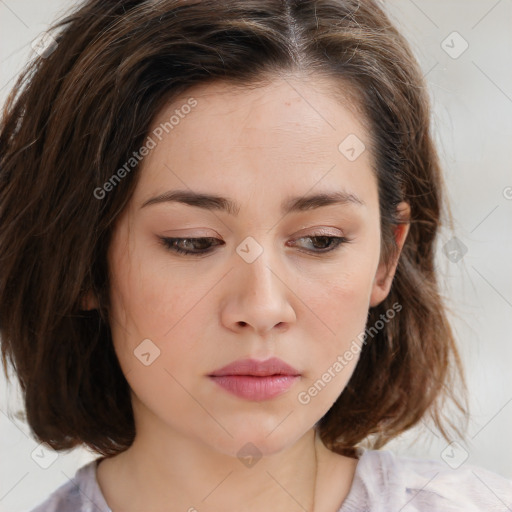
x=289 y=205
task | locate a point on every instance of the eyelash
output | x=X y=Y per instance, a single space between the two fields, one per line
x=171 y=244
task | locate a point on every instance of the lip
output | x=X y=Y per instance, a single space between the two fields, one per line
x=254 y=388
x=256 y=380
x=272 y=366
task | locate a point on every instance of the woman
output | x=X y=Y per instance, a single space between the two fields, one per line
x=221 y=277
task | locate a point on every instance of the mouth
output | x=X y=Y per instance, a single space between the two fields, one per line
x=256 y=380
x=255 y=368
x=256 y=388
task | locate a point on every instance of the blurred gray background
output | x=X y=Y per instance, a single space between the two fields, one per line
x=465 y=49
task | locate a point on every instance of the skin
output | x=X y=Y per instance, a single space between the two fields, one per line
x=257 y=147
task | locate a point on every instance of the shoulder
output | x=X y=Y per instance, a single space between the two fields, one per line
x=384 y=481
x=80 y=494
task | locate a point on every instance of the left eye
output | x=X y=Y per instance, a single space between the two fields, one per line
x=200 y=246
x=327 y=243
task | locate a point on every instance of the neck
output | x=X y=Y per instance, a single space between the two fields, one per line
x=192 y=477
x=169 y=470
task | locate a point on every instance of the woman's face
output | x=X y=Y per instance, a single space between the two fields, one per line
x=263 y=288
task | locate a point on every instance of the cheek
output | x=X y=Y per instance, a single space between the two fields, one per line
x=146 y=297
x=341 y=311
x=164 y=315
x=340 y=296
x=334 y=341
x=340 y=301
x=154 y=334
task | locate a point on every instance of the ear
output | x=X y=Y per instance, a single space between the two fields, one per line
x=89 y=302
x=386 y=272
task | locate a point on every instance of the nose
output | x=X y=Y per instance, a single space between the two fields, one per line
x=258 y=297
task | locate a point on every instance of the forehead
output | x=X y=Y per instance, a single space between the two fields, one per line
x=285 y=134
x=285 y=104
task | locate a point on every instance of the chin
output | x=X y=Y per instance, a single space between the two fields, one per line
x=253 y=442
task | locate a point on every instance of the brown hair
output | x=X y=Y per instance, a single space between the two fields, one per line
x=77 y=114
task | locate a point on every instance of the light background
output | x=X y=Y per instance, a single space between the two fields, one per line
x=472 y=119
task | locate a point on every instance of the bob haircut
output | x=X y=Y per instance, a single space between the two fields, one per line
x=78 y=113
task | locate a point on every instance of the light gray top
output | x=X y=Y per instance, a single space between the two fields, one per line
x=383 y=482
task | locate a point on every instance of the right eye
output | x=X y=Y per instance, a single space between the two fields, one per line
x=186 y=246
